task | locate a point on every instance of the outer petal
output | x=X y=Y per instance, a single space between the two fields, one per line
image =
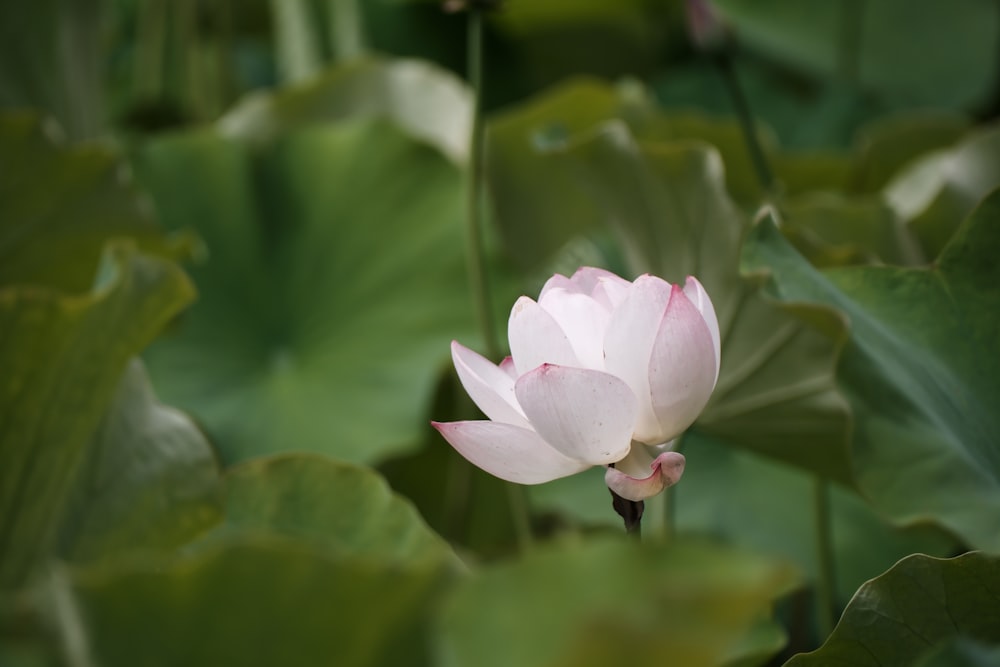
x=697 y=295
x=508 y=452
x=628 y=344
x=583 y=320
x=536 y=338
x=666 y=468
x=682 y=366
x=489 y=387
x=585 y=414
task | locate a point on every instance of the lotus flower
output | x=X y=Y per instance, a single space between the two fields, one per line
x=602 y=372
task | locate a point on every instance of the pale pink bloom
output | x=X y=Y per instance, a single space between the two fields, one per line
x=602 y=371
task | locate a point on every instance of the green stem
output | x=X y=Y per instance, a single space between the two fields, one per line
x=765 y=176
x=474 y=188
x=475 y=254
x=346 y=29
x=826 y=577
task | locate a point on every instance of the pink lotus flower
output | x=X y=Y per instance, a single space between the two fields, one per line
x=602 y=372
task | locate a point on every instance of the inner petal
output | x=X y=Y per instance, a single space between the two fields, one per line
x=583 y=320
x=536 y=338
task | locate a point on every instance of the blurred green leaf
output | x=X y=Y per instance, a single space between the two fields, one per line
x=833 y=230
x=61 y=360
x=149 y=479
x=539 y=209
x=903 y=615
x=60 y=204
x=431 y=104
x=776 y=392
x=892 y=47
x=335 y=282
x=885 y=146
x=344 y=508
x=607 y=602
x=919 y=371
x=934 y=194
x=751 y=502
x=258 y=602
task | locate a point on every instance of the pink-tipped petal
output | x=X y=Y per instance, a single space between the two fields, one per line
x=536 y=338
x=508 y=452
x=585 y=414
x=628 y=344
x=666 y=468
x=697 y=295
x=682 y=366
x=489 y=387
x=507 y=366
x=583 y=320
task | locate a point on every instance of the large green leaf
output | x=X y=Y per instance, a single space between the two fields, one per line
x=344 y=508
x=538 y=209
x=776 y=392
x=892 y=47
x=429 y=103
x=610 y=602
x=258 y=602
x=920 y=372
x=150 y=479
x=334 y=284
x=909 y=612
x=59 y=205
x=61 y=358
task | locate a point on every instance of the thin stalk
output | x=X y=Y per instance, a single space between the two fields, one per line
x=346 y=29
x=475 y=254
x=631 y=512
x=826 y=577
x=761 y=167
x=474 y=251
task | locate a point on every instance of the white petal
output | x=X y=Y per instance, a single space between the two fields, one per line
x=699 y=297
x=682 y=366
x=583 y=320
x=536 y=338
x=489 y=387
x=610 y=292
x=666 y=470
x=628 y=344
x=587 y=278
x=560 y=281
x=508 y=452
x=587 y=415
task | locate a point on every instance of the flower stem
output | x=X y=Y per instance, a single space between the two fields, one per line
x=826 y=577
x=474 y=251
x=631 y=513
x=724 y=62
x=474 y=186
